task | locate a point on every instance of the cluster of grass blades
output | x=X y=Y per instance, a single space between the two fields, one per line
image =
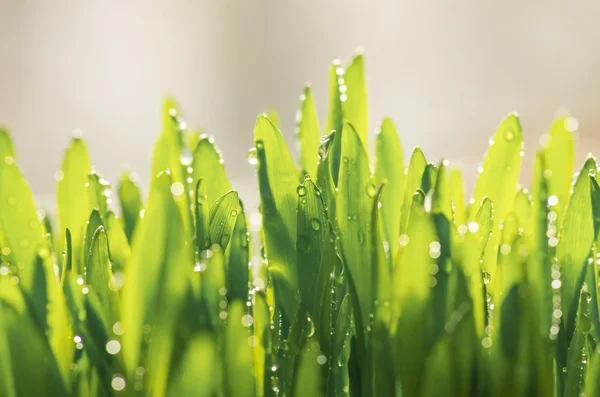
x=373 y=279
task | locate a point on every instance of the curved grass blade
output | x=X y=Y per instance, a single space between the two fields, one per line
x=476 y=239
x=312 y=234
x=458 y=198
x=201 y=212
x=498 y=181
x=99 y=276
x=73 y=201
x=576 y=238
x=208 y=165
x=308 y=133
x=130 y=199
x=99 y=192
x=24 y=238
x=414 y=176
x=354 y=98
x=160 y=260
x=355 y=200
x=222 y=217
x=238 y=273
x=441 y=201
x=390 y=168
x=278 y=180
x=559 y=153
x=175 y=156
x=324 y=178
x=380 y=376
x=117 y=241
x=335 y=117
x=578 y=355
x=538 y=267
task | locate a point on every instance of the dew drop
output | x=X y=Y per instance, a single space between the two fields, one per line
x=224 y=240
x=371 y=189
x=361 y=238
x=509 y=134
x=301 y=190
x=315 y=224
x=303 y=244
x=403 y=240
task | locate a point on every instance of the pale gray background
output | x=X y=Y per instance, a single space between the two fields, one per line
x=446 y=71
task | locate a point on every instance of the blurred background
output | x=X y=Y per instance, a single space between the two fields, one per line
x=447 y=73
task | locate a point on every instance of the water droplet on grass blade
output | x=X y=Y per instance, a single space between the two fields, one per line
x=301 y=190
x=371 y=189
x=315 y=224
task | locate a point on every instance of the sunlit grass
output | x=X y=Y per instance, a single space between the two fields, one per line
x=376 y=276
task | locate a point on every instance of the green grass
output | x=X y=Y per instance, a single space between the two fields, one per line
x=374 y=278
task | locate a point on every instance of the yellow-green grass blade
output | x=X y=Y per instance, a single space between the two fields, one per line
x=156 y=273
x=24 y=237
x=559 y=152
x=539 y=268
x=458 y=196
x=578 y=355
x=277 y=181
x=99 y=277
x=309 y=134
x=389 y=168
x=412 y=290
x=120 y=251
x=477 y=235
x=239 y=359
x=208 y=165
x=355 y=199
x=130 y=199
x=414 y=176
x=335 y=117
x=498 y=181
x=73 y=201
x=26 y=349
x=238 y=272
x=313 y=232
x=574 y=243
x=99 y=193
x=222 y=218
x=354 y=97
